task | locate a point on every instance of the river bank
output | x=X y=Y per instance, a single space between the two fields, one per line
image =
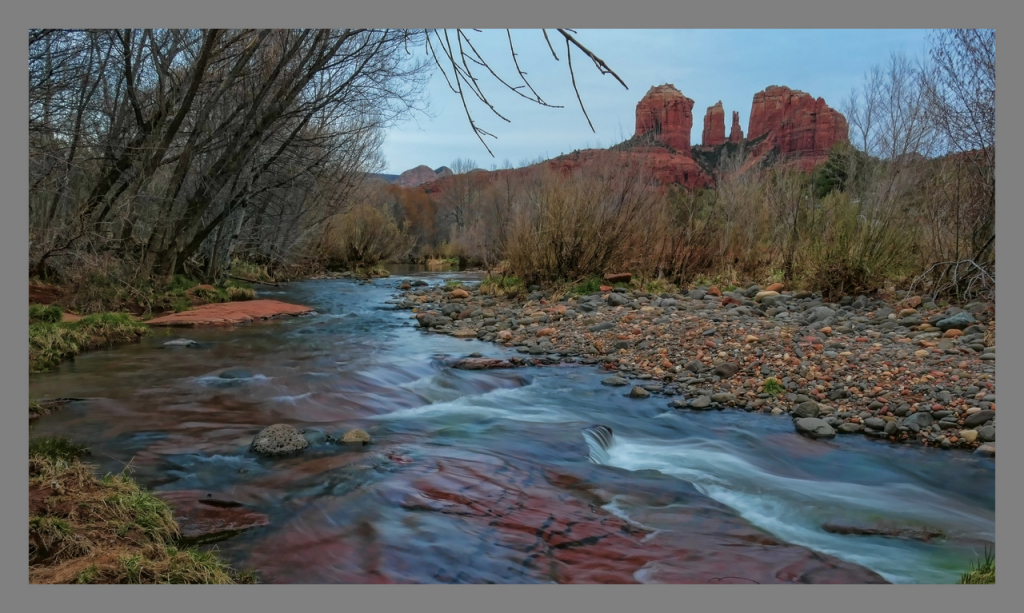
x=909 y=372
x=490 y=475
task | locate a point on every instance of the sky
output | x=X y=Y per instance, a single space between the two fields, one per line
x=705 y=65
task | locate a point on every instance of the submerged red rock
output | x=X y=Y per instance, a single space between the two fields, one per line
x=203 y=518
x=534 y=524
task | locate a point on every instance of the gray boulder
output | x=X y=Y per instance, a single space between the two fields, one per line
x=701 y=403
x=807 y=409
x=812 y=427
x=958 y=321
x=979 y=418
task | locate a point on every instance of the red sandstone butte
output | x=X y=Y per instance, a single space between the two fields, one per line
x=714 y=126
x=230 y=313
x=797 y=123
x=666 y=114
x=736 y=133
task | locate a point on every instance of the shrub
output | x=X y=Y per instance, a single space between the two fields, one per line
x=46 y=314
x=241 y=293
x=569 y=227
x=853 y=249
x=773 y=387
x=363 y=236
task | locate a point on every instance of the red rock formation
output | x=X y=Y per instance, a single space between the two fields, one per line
x=736 y=133
x=714 y=126
x=230 y=313
x=416 y=176
x=666 y=114
x=799 y=125
x=665 y=166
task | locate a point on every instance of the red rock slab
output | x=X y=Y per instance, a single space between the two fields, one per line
x=566 y=537
x=203 y=517
x=226 y=313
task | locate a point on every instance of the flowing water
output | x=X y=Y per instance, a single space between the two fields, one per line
x=493 y=476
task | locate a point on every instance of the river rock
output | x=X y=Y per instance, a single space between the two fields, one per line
x=920 y=419
x=958 y=321
x=639 y=392
x=979 y=418
x=480 y=364
x=616 y=299
x=988 y=450
x=876 y=423
x=615 y=380
x=820 y=313
x=987 y=433
x=355 y=437
x=812 y=427
x=278 y=440
x=726 y=370
x=849 y=428
x=807 y=409
x=180 y=342
x=701 y=402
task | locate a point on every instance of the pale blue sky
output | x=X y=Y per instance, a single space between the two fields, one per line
x=705 y=65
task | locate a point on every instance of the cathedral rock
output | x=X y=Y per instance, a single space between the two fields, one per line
x=796 y=123
x=736 y=133
x=667 y=115
x=714 y=126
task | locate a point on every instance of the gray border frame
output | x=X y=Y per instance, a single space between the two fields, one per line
x=19 y=596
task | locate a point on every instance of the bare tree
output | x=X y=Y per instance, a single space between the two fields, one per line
x=961 y=94
x=175 y=148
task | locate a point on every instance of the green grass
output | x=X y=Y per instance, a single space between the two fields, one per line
x=773 y=387
x=57 y=448
x=451 y=284
x=117 y=531
x=51 y=343
x=590 y=286
x=656 y=287
x=982 y=571
x=510 y=286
